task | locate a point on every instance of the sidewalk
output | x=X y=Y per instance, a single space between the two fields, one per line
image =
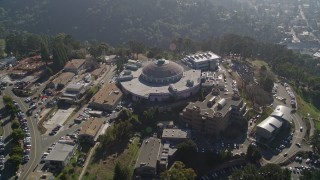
x=88 y=160
x=312 y=128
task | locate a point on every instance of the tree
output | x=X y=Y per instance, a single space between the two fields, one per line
x=15 y=124
x=136 y=47
x=250 y=172
x=120 y=172
x=186 y=149
x=33 y=44
x=263 y=68
x=187 y=146
x=253 y=153
x=178 y=171
x=267 y=83
x=17 y=134
x=269 y=171
x=44 y=51
x=96 y=50
x=310 y=174
x=16 y=160
x=274 y=171
x=17 y=150
x=119 y=65
x=7 y=100
x=59 y=54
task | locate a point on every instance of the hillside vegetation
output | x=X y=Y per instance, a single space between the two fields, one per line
x=118 y=21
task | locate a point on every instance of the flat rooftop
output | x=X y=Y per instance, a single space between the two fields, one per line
x=63 y=78
x=60 y=152
x=109 y=94
x=91 y=127
x=202 y=56
x=75 y=63
x=176 y=133
x=209 y=111
x=149 y=152
x=144 y=89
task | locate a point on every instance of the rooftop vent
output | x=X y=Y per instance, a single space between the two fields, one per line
x=218 y=114
x=161 y=61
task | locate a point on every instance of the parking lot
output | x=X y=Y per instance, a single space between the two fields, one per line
x=58 y=118
x=301 y=162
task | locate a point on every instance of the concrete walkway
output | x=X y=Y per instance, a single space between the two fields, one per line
x=312 y=127
x=88 y=160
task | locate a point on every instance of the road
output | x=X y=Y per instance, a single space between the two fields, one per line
x=39 y=142
x=297 y=137
x=35 y=136
x=307 y=22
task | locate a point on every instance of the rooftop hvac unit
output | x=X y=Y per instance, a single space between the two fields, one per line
x=218 y=114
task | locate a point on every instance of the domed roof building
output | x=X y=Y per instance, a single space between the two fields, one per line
x=159 y=80
x=162 y=71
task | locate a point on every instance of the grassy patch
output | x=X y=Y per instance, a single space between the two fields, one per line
x=2 y=43
x=304 y=108
x=70 y=117
x=245 y=99
x=1 y=129
x=317 y=123
x=266 y=112
x=105 y=165
x=258 y=63
x=250 y=114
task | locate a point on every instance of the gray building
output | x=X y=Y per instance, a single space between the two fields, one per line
x=72 y=93
x=203 y=61
x=148 y=160
x=60 y=155
x=279 y=118
x=175 y=135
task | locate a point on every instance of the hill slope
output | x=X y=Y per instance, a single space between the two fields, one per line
x=117 y=21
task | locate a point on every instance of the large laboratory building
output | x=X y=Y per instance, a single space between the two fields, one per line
x=158 y=80
x=203 y=61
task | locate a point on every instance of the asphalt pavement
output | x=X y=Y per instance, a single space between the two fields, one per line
x=297 y=136
x=35 y=136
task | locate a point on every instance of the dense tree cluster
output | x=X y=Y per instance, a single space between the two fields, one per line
x=23 y=44
x=121 y=172
x=9 y=105
x=17 y=133
x=312 y=174
x=178 y=171
x=270 y=171
x=121 y=130
x=315 y=141
x=253 y=153
x=150 y=21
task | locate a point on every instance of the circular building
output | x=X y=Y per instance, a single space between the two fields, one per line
x=160 y=80
x=162 y=71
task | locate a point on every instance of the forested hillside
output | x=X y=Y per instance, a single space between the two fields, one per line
x=118 y=21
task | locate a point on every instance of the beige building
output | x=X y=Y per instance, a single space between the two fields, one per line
x=75 y=65
x=175 y=135
x=61 y=81
x=107 y=98
x=213 y=115
x=89 y=131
